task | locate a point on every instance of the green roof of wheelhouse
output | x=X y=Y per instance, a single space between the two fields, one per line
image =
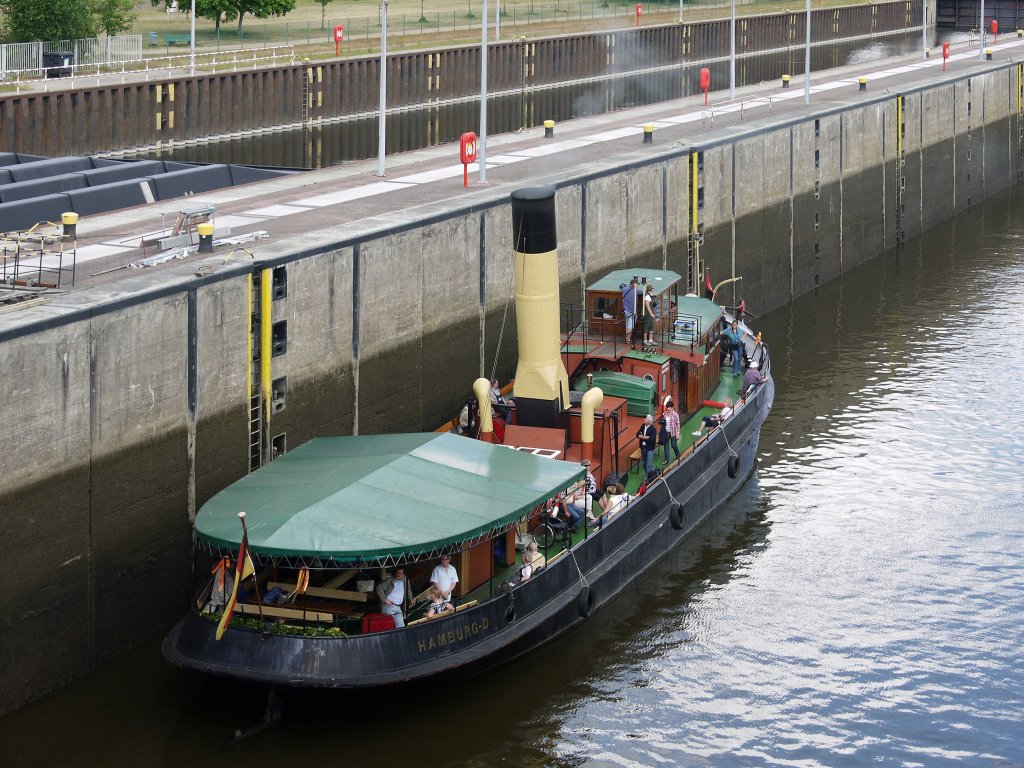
x=381 y=496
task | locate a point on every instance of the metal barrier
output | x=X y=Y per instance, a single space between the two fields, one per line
x=19 y=58
x=159 y=67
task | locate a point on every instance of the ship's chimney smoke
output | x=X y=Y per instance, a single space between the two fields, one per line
x=541 y=387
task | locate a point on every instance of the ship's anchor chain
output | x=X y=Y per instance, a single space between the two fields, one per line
x=271 y=717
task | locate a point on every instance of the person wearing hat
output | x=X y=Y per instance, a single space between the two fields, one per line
x=753 y=376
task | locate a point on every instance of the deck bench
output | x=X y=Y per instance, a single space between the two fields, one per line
x=285 y=613
x=330 y=594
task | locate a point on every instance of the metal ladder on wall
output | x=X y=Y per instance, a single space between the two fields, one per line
x=695 y=238
x=255 y=398
x=901 y=163
x=1020 y=124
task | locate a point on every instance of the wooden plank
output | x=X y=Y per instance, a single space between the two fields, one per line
x=340 y=579
x=555 y=557
x=284 y=613
x=333 y=594
x=458 y=608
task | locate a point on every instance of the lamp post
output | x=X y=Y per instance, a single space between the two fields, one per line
x=924 y=29
x=981 y=30
x=807 y=58
x=192 y=40
x=482 y=140
x=383 y=85
x=732 y=52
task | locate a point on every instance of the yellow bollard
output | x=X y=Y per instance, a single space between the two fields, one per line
x=69 y=221
x=205 y=231
x=549 y=129
x=648 y=134
x=785 y=81
x=862 y=83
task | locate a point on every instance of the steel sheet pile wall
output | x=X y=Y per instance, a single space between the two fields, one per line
x=118 y=117
x=127 y=408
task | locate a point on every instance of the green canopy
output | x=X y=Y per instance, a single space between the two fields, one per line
x=381 y=496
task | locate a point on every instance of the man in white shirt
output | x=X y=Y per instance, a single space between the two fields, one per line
x=444 y=577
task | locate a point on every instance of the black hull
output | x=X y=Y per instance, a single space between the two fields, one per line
x=499 y=630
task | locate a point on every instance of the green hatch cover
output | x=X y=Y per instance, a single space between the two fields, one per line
x=661 y=279
x=381 y=496
x=638 y=392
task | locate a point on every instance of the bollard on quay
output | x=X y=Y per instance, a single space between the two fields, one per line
x=549 y=129
x=648 y=133
x=205 y=237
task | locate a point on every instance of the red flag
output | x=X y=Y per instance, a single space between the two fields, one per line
x=709 y=292
x=243 y=570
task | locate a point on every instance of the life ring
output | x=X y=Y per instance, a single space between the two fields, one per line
x=734 y=465
x=676 y=516
x=585 y=602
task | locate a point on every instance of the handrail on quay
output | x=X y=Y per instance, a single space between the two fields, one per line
x=157 y=67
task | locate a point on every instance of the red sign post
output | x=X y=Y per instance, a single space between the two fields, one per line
x=639 y=10
x=995 y=31
x=467 y=154
x=705 y=82
x=945 y=55
x=339 y=35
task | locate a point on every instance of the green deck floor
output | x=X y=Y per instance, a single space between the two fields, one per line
x=727 y=388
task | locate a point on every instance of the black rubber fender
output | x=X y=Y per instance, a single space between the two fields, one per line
x=585 y=602
x=676 y=516
x=734 y=465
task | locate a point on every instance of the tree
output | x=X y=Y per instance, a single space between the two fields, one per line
x=323 y=11
x=32 y=20
x=51 y=20
x=229 y=10
x=114 y=16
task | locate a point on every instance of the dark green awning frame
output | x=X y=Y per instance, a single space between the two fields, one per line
x=381 y=498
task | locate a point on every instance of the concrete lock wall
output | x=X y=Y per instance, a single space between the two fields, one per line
x=128 y=406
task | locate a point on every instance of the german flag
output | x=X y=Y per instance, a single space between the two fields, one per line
x=243 y=570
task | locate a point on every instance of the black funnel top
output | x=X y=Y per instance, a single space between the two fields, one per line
x=533 y=220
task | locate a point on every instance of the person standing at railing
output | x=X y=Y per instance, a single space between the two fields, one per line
x=629 y=307
x=649 y=316
x=733 y=341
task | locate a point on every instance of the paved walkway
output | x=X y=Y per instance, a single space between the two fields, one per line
x=306 y=203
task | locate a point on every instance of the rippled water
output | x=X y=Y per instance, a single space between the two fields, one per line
x=859 y=602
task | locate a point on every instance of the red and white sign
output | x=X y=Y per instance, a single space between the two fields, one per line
x=639 y=10
x=339 y=37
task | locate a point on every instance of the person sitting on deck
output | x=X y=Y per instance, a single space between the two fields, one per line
x=444 y=577
x=498 y=401
x=393 y=596
x=715 y=420
x=615 y=500
x=438 y=604
x=753 y=377
x=582 y=500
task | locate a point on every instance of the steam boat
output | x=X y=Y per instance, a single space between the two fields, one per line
x=328 y=521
